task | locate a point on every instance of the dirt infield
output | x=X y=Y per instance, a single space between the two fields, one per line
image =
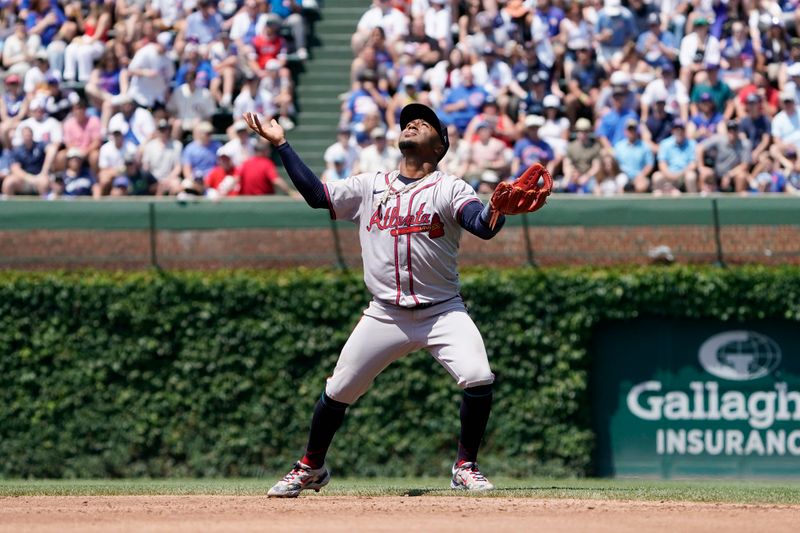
x=353 y=514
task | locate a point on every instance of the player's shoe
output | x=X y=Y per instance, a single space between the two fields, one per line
x=469 y=477
x=301 y=477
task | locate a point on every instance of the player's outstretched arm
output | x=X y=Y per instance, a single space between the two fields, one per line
x=475 y=218
x=304 y=179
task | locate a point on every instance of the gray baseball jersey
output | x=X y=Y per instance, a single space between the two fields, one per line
x=409 y=233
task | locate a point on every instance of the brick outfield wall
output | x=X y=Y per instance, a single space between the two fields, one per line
x=269 y=248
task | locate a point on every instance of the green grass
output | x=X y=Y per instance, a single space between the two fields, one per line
x=779 y=492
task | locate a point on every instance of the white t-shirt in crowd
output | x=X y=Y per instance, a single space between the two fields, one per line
x=47 y=131
x=189 y=105
x=149 y=90
x=112 y=156
x=159 y=158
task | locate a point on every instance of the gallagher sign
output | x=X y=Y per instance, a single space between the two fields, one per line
x=697 y=398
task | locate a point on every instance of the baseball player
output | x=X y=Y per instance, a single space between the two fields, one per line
x=409 y=222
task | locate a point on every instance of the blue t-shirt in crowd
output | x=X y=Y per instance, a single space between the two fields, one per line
x=676 y=156
x=202 y=158
x=279 y=8
x=203 y=30
x=529 y=152
x=361 y=103
x=203 y=66
x=710 y=123
x=622 y=26
x=31 y=160
x=632 y=158
x=80 y=184
x=612 y=125
x=473 y=96
x=51 y=30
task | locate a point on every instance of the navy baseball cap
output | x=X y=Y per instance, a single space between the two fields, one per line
x=415 y=111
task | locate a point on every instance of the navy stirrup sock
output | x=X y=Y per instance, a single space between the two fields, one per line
x=476 y=404
x=328 y=417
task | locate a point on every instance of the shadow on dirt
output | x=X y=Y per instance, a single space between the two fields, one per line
x=423 y=492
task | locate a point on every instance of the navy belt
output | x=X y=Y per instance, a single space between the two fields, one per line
x=427 y=305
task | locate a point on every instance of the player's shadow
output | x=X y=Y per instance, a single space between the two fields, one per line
x=423 y=492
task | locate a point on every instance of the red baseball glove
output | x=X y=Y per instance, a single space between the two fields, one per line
x=523 y=196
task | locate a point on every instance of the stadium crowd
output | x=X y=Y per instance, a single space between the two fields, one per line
x=136 y=97
x=130 y=97
x=658 y=96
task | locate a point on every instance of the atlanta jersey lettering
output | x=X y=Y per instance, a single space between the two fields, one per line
x=410 y=242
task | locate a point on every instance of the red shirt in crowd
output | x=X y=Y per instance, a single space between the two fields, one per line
x=267 y=49
x=256 y=176
x=215 y=177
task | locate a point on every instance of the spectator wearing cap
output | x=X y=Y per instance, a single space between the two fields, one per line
x=77 y=178
x=502 y=126
x=335 y=168
x=769 y=95
x=407 y=92
x=195 y=59
x=486 y=153
x=241 y=145
x=86 y=47
x=57 y=101
x=189 y=104
x=45 y=128
x=612 y=127
x=658 y=125
x=731 y=155
x=83 y=132
x=139 y=122
x=531 y=148
x=202 y=26
x=111 y=160
x=107 y=80
x=379 y=156
x=463 y=101
x=19 y=49
x=655 y=45
x=614 y=28
x=258 y=175
x=582 y=160
x=677 y=167
x=392 y=21
x=705 y=121
x=555 y=130
x=223 y=179
x=634 y=157
x=200 y=155
x=786 y=124
x=583 y=83
x=720 y=92
x=150 y=72
x=494 y=76
x=367 y=98
x=161 y=157
x=697 y=49
x=536 y=89
x=671 y=90
x=342 y=145
x=30 y=167
x=140 y=182
x=13 y=108
x=757 y=128
x=619 y=81
x=268 y=44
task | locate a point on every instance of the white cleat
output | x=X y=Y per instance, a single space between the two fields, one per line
x=301 y=477
x=469 y=477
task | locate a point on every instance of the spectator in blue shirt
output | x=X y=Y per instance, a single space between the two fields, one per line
x=77 y=179
x=703 y=124
x=655 y=45
x=45 y=19
x=200 y=155
x=614 y=28
x=677 y=166
x=634 y=157
x=366 y=99
x=611 y=129
x=203 y=25
x=462 y=102
x=290 y=12
x=530 y=148
x=29 y=167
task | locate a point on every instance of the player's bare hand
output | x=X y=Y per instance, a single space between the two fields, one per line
x=273 y=132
